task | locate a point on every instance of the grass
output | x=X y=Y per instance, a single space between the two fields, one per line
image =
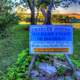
x=76 y=39
x=75 y=25
x=17 y=41
x=76 y=43
x=14 y=43
x=20 y=26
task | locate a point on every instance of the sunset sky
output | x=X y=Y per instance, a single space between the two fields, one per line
x=74 y=8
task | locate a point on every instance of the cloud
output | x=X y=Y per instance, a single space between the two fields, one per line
x=74 y=8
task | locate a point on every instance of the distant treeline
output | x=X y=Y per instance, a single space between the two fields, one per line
x=57 y=18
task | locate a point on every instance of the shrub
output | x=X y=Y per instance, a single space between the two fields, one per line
x=17 y=71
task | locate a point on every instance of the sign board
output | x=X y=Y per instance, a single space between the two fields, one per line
x=51 y=39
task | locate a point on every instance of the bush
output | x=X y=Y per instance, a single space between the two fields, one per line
x=12 y=42
x=6 y=20
x=17 y=71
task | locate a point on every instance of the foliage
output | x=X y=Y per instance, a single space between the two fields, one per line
x=16 y=41
x=6 y=20
x=45 y=2
x=21 y=27
x=12 y=42
x=60 y=70
x=76 y=63
x=21 y=12
x=7 y=17
x=76 y=43
x=17 y=71
x=2 y=76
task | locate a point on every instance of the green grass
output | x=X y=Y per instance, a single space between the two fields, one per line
x=12 y=45
x=20 y=27
x=76 y=43
x=13 y=51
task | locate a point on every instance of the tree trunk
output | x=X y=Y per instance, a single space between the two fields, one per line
x=33 y=20
x=48 y=18
x=31 y=4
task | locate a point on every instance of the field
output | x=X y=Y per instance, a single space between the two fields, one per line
x=75 y=25
x=18 y=41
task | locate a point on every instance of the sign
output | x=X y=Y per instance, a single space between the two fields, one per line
x=51 y=39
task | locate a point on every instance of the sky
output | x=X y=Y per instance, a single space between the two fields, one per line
x=74 y=8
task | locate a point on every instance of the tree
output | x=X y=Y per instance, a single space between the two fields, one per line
x=50 y=4
x=6 y=15
x=21 y=12
x=31 y=4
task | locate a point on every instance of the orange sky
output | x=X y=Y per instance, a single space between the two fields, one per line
x=73 y=15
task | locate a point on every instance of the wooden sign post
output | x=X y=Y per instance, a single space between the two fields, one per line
x=50 y=39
